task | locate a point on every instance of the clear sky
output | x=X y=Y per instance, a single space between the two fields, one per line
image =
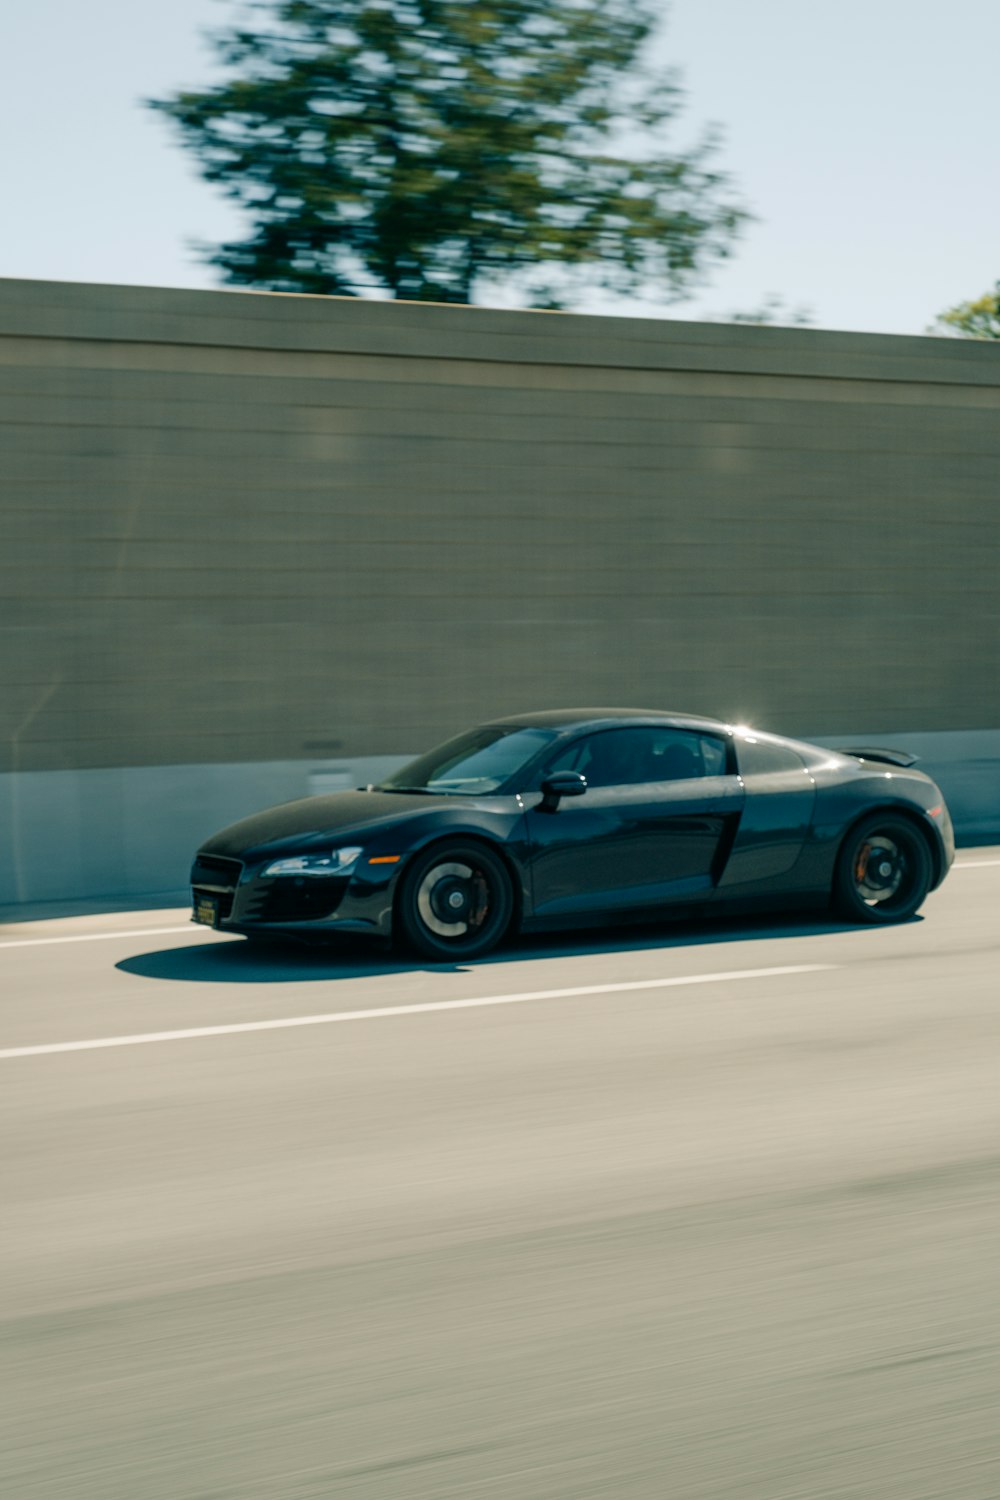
x=862 y=133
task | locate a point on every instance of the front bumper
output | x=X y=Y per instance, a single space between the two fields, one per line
x=234 y=896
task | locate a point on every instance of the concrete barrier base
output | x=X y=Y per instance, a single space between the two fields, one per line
x=131 y=832
x=127 y=835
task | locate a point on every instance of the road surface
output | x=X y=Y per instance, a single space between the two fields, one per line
x=695 y=1215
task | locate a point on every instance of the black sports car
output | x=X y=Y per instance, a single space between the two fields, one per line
x=578 y=818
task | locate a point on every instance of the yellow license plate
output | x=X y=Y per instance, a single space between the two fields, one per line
x=206 y=911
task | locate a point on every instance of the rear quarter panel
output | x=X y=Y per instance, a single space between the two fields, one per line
x=848 y=790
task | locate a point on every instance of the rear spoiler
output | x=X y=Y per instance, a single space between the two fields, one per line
x=890 y=757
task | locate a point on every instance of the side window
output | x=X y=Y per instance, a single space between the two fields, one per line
x=627 y=757
x=758 y=756
x=714 y=756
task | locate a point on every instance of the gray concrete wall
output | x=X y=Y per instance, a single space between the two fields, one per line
x=272 y=530
x=250 y=527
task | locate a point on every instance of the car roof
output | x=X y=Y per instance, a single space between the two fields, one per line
x=606 y=718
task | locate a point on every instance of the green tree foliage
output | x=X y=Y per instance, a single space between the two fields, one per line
x=429 y=148
x=974 y=320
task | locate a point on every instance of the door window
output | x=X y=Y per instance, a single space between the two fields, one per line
x=628 y=757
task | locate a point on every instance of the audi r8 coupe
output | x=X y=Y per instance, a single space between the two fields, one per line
x=583 y=818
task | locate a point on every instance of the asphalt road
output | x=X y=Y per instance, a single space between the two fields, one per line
x=699 y=1231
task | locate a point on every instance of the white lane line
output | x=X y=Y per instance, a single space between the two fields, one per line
x=975 y=864
x=100 y=937
x=333 y=1018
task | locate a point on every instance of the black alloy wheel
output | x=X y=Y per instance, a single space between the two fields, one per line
x=883 y=871
x=455 y=902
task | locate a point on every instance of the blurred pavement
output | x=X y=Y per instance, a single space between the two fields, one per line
x=724 y=1240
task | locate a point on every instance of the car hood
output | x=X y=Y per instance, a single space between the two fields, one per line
x=325 y=817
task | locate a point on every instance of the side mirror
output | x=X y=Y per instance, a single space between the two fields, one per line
x=561 y=784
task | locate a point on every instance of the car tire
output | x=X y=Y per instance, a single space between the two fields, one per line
x=883 y=872
x=455 y=902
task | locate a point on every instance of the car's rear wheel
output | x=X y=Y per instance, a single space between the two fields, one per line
x=455 y=902
x=883 y=871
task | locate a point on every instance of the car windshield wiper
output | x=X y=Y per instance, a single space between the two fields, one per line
x=419 y=791
x=452 y=790
x=486 y=784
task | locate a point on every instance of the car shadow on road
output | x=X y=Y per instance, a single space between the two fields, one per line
x=237 y=961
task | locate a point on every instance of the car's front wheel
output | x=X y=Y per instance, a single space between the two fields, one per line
x=455 y=902
x=883 y=871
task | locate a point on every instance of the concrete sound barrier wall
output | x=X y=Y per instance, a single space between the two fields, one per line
x=241 y=531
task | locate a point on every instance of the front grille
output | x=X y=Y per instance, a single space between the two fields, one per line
x=294 y=900
x=218 y=878
x=215 y=874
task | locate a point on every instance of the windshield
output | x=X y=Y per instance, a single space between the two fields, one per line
x=473 y=765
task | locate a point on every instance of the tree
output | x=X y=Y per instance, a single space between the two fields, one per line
x=974 y=320
x=428 y=148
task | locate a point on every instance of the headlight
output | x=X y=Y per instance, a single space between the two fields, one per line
x=337 y=862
